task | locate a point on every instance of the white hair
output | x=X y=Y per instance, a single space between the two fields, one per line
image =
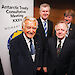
x=29 y=18
x=61 y=22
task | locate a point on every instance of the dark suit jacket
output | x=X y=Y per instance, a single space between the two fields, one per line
x=65 y=62
x=20 y=57
x=41 y=31
x=1 y=68
x=72 y=31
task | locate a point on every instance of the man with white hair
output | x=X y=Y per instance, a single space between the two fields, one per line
x=26 y=49
x=60 y=52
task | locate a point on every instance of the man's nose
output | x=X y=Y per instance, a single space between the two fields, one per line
x=31 y=30
x=60 y=32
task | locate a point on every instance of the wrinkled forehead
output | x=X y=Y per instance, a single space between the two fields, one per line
x=30 y=22
x=61 y=26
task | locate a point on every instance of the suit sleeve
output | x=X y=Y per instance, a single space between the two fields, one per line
x=13 y=59
x=46 y=53
x=71 y=70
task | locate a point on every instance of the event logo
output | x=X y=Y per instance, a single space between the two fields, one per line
x=12 y=36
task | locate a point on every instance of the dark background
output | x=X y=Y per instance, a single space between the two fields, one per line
x=60 y=4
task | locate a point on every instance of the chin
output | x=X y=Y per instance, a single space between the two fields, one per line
x=60 y=37
x=30 y=36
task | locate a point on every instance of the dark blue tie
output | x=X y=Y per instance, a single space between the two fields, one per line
x=32 y=47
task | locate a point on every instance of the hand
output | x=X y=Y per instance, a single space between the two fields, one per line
x=66 y=74
x=38 y=68
x=45 y=69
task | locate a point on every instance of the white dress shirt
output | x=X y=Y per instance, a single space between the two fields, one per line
x=43 y=21
x=28 y=43
x=68 y=29
x=62 y=42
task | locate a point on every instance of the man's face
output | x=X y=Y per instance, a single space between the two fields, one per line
x=61 y=30
x=68 y=19
x=30 y=28
x=44 y=12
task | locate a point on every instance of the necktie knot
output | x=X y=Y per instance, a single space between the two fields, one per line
x=44 y=23
x=59 y=48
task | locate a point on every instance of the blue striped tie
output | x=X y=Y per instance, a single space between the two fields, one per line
x=45 y=28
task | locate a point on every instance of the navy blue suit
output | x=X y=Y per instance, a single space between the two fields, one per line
x=41 y=30
x=20 y=56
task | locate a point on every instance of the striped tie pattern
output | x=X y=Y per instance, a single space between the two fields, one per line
x=45 y=28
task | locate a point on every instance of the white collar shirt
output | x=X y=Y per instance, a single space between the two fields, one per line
x=43 y=21
x=68 y=29
x=28 y=43
x=62 y=42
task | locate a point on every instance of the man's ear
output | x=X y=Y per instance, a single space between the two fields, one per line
x=22 y=28
x=67 y=31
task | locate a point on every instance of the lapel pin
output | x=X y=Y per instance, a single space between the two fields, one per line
x=70 y=28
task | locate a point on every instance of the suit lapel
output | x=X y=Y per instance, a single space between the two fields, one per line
x=48 y=27
x=65 y=46
x=25 y=50
x=37 y=46
x=55 y=44
x=41 y=27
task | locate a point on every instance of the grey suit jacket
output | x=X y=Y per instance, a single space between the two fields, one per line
x=65 y=62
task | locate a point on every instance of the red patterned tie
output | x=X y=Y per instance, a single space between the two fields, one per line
x=59 y=48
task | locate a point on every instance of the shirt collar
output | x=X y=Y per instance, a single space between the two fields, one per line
x=69 y=25
x=27 y=39
x=62 y=39
x=43 y=20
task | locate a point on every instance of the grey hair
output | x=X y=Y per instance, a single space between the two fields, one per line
x=29 y=18
x=44 y=5
x=61 y=22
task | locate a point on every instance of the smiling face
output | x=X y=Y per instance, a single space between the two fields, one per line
x=30 y=28
x=44 y=12
x=61 y=30
x=68 y=19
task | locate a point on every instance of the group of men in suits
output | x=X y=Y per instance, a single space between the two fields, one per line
x=45 y=56
x=68 y=41
x=60 y=58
